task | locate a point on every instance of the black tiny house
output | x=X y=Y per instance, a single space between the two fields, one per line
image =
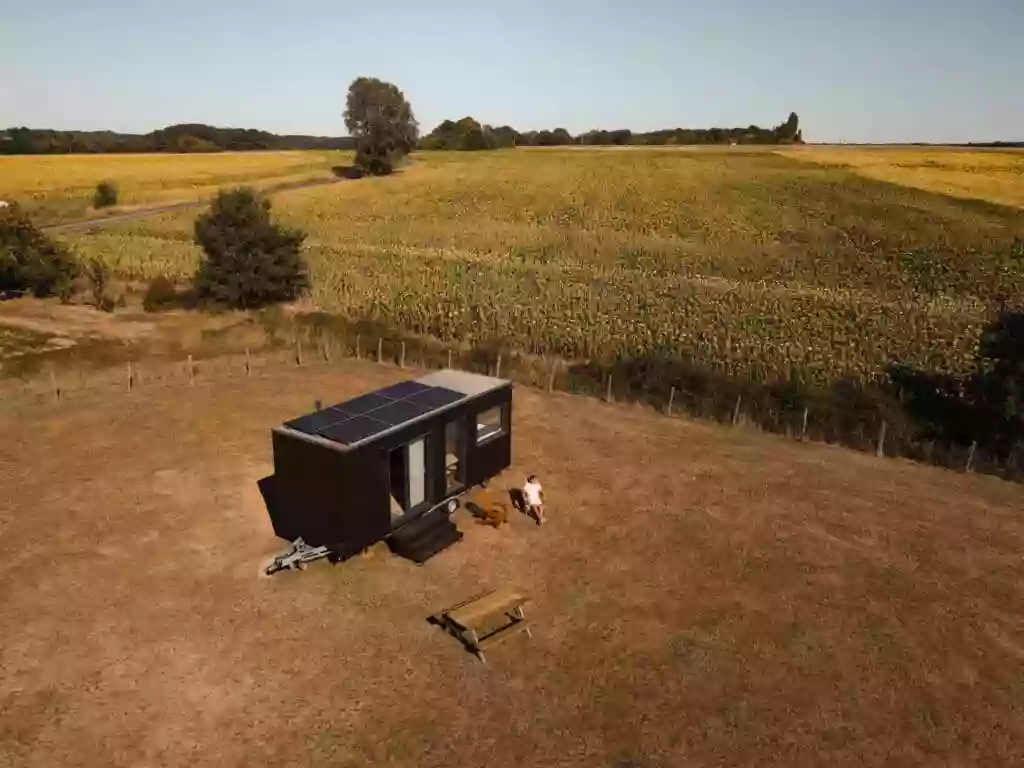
x=388 y=464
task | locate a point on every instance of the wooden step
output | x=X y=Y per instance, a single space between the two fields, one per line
x=427 y=541
x=418 y=526
x=423 y=550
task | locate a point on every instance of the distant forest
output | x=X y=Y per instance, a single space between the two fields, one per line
x=194 y=137
x=466 y=134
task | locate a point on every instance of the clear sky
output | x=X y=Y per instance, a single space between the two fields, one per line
x=854 y=70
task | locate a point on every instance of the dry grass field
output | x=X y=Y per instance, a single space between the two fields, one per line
x=747 y=261
x=973 y=174
x=701 y=596
x=58 y=187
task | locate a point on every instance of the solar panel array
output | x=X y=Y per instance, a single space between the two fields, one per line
x=363 y=417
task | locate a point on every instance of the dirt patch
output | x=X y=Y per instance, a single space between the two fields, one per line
x=701 y=596
x=73 y=320
x=19 y=341
x=42 y=334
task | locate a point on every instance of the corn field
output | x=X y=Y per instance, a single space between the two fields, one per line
x=750 y=263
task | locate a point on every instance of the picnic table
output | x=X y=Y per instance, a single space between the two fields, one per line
x=486 y=619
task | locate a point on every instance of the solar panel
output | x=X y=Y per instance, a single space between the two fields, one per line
x=400 y=412
x=313 y=422
x=354 y=430
x=437 y=397
x=402 y=390
x=361 y=417
x=363 y=403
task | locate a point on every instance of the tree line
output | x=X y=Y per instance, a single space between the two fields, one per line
x=469 y=134
x=187 y=137
x=464 y=134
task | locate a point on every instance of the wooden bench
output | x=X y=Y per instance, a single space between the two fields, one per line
x=486 y=619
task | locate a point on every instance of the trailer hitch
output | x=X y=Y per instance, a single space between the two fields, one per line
x=296 y=556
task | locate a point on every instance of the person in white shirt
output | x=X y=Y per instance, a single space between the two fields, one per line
x=533 y=495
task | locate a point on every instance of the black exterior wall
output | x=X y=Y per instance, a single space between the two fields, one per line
x=340 y=498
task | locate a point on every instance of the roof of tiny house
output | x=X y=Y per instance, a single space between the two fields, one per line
x=372 y=415
x=469 y=384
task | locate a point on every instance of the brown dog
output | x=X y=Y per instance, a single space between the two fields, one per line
x=495 y=515
x=487 y=511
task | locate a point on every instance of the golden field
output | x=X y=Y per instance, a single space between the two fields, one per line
x=56 y=187
x=978 y=174
x=751 y=262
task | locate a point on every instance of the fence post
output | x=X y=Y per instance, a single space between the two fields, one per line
x=671 y=399
x=248 y=363
x=191 y=372
x=56 y=388
x=608 y=389
x=803 y=425
x=359 y=353
x=736 y=410
x=497 y=367
x=970 y=457
x=551 y=375
x=131 y=376
x=380 y=350
x=449 y=357
x=880 y=450
x=401 y=357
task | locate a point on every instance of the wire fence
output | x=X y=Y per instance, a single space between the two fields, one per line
x=53 y=387
x=723 y=401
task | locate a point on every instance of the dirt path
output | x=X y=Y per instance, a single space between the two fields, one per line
x=74 y=226
x=154 y=210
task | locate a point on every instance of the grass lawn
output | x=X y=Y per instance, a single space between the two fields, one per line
x=701 y=596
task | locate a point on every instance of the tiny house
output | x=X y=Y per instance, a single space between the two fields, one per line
x=390 y=464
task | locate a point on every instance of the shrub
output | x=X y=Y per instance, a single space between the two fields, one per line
x=30 y=261
x=106 y=195
x=160 y=294
x=249 y=262
x=98 y=275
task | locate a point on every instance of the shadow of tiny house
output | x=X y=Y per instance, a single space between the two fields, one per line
x=387 y=465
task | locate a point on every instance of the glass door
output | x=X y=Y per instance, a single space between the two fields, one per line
x=454 y=456
x=417 y=472
x=408 y=471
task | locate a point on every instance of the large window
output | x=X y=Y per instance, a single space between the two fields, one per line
x=490 y=423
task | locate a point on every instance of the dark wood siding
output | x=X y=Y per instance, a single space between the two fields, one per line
x=341 y=498
x=309 y=481
x=364 y=514
x=487 y=459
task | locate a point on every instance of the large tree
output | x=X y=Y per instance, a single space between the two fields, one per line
x=379 y=117
x=789 y=130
